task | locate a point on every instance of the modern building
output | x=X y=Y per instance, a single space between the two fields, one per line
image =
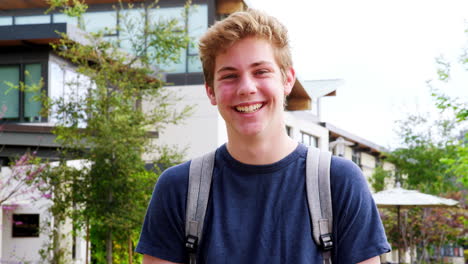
x=26 y=57
x=25 y=34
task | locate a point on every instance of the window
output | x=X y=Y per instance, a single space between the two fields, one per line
x=308 y=139
x=17 y=105
x=6 y=21
x=108 y=18
x=97 y=21
x=289 y=131
x=25 y=225
x=356 y=157
x=25 y=20
x=62 y=18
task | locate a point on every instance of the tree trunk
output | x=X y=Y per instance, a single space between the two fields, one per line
x=130 y=250
x=87 y=241
x=109 y=247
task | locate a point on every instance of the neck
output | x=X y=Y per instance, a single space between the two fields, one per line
x=261 y=151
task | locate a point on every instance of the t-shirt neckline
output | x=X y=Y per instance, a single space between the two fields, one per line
x=226 y=158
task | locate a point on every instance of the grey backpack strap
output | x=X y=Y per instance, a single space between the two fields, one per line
x=201 y=171
x=319 y=199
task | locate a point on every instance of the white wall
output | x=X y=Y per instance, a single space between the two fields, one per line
x=22 y=249
x=65 y=83
x=19 y=249
x=299 y=124
x=199 y=133
x=368 y=164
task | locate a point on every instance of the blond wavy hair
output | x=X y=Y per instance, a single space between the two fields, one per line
x=250 y=23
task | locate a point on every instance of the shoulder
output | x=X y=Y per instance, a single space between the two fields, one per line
x=172 y=183
x=175 y=175
x=345 y=173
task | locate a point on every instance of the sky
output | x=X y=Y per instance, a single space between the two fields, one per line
x=384 y=51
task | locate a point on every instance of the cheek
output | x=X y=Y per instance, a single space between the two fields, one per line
x=225 y=95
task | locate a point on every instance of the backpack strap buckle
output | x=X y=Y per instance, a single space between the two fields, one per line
x=326 y=241
x=191 y=244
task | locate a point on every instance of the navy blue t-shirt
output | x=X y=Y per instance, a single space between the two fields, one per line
x=259 y=214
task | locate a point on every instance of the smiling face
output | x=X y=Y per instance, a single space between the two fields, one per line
x=249 y=89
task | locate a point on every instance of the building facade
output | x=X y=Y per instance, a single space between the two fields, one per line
x=26 y=57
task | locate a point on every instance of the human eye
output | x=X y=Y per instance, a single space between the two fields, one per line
x=261 y=72
x=228 y=76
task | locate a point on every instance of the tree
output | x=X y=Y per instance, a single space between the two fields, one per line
x=458 y=164
x=433 y=158
x=424 y=143
x=107 y=126
x=22 y=179
x=377 y=180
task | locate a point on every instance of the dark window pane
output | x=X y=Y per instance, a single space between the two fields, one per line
x=32 y=106
x=25 y=225
x=9 y=98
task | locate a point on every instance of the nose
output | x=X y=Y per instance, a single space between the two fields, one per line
x=246 y=85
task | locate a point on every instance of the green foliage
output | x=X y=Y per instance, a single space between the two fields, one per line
x=72 y=8
x=377 y=180
x=425 y=143
x=103 y=121
x=426 y=228
x=457 y=164
x=433 y=158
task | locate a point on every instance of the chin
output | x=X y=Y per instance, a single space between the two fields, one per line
x=250 y=131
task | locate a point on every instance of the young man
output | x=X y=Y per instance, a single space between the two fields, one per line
x=257 y=211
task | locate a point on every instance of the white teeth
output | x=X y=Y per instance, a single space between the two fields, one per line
x=248 y=109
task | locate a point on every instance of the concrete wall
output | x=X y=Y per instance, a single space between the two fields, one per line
x=204 y=130
x=368 y=164
x=23 y=249
x=26 y=249
x=298 y=124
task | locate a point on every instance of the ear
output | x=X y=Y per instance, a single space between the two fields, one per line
x=211 y=94
x=289 y=81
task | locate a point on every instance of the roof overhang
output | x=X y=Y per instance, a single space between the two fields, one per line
x=227 y=7
x=304 y=91
x=359 y=143
x=26 y=4
x=39 y=34
x=298 y=99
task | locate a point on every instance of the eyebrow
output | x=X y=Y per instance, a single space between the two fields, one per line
x=255 y=64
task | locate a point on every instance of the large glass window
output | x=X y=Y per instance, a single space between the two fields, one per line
x=309 y=140
x=25 y=20
x=97 y=21
x=16 y=104
x=166 y=14
x=6 y=21
x=132 y=21
x=9 y=97
x=62 y=18
x=32 y=106
x=198 y=24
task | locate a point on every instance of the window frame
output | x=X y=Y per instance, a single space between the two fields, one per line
x=310 y=138
x=173 y=78
x=22 y=94
x=356 y=157
x=14 y=226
